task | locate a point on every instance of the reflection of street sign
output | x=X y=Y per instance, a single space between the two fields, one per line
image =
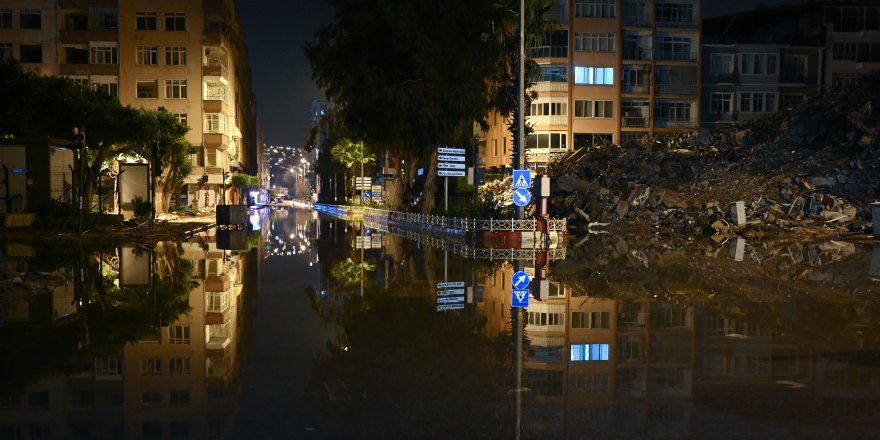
x=444 y=307
x=520 y=298
x=451 y=150
x=521 y=197
x=450 y=292
x=450 y=284
x=446 y=173
x=450 y=299
x=522 y=179
x=520 y=280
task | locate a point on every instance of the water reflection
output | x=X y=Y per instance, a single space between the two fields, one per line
x=127 y=341
x=727 y=338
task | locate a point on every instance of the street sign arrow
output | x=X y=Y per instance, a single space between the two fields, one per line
x=450 y=292
x=520 y=280
x=444 y=307
x=454 y=166
x=447 y=173
x=521 y=197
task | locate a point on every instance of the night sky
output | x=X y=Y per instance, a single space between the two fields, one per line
x=275 y=31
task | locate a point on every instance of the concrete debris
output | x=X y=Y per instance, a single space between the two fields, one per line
x=813 y=171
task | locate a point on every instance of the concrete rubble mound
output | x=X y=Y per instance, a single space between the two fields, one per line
x=812 y=171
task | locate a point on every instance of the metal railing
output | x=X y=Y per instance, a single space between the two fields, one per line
x=453 y=224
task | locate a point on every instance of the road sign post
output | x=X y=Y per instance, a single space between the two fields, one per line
x=450 y=163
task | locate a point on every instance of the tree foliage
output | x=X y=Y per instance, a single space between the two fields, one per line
x=50 y=107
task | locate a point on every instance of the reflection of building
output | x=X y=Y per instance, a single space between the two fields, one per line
x=177 y=382
x=186 y=57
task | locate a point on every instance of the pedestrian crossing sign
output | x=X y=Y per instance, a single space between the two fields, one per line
x=522 y=179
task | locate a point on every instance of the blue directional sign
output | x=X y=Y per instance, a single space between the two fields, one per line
x=520 y=280
x=367 y=195
x=522 y=179
x=521 y=197
x=520 y=298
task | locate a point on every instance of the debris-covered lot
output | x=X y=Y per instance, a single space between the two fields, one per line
x=813 y=171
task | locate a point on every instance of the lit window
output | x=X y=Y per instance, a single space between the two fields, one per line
x=589 y=352
x=594 y=75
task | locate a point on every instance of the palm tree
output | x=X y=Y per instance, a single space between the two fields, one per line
x=348 y=153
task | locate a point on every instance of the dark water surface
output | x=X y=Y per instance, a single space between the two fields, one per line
x=326 y=330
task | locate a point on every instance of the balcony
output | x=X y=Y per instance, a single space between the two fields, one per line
x=634 y=121
x=216 y=140
x=89 y=69
x=675 y=123
x=675 y=56
x=548 y=120
x=633 y=88
x=212 y=38
x=215 y=74
x=215 y=105
x=641 y=20
x=75 y=36
x=677 y=22
x=217 y=283
x=675 y=89
x=638 y=53
x=550 y=86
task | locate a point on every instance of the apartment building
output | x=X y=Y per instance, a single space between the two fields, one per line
x=611 y=70
x=186 y=57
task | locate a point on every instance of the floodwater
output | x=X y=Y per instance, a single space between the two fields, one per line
x=317 y=328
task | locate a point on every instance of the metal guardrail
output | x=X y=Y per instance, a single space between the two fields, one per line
x=462 y=249
x=453 y=224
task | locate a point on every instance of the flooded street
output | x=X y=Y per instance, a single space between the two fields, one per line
x=315 y=327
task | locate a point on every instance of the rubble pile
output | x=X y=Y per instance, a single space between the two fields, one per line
x=813 y=171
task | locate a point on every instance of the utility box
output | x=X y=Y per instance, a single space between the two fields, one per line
x=232 y=239
x=231 y=215
x=542 y=187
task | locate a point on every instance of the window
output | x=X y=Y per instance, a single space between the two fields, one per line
x=843 y=18
x=590 y=319
x=108 y=367
x=104 y=18
x=5 y=18
x=76 y=55
x=30 y=53
x=175 y=56
x=721 y=103
x=175 y=89
x=544 y=319
x=39 y=431
x=10 y=431
x=672 y=111
x=589 y=352
x=595 y=8
x=594 y=109
x=872 y=19
x=552 y=73
x=720 y=64
x=181 y=117
x=594 y=75
x=757 y=102
x=179 y=366
x=148 y=89
x=175 y=21
x=145 y=21
x=211 y=157
x=104 y=53
x=82 y=81
x=180 y=398
x=674 y=14
x=31 y=19
x=794 y=68
x=178 y=334
x=635 y=12
x=846 y=50
x=554 y=44
x=151 y=367
x=594 y=41
x=38 y=400
x=151 y=399
x=5 y=51
x=757 y=64
x=179 y=431
x=146 y=55
x=548 y=109
x=586 y=383
x=217 y=301
x=546 y=140
x=675 y=48
x=215 y=123
x=494 y=153
x=108 y=86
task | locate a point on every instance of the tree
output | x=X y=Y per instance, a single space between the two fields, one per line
x=350 y=153
x=39 y=106
x=415 y=90
x=244 y=183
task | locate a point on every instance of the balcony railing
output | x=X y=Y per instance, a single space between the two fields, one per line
x=633 y=88
x=683 y=22
x=634 y=121
x=548 y=120
x=675 y=56
x=550 y=86
x=675 y=89
x=636 y=53
x=674 y=123
x=636 y=20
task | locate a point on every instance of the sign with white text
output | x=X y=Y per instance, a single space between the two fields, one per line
x=443 y=150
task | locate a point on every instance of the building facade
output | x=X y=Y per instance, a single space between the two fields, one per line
x=611 y=70
x=186 y=57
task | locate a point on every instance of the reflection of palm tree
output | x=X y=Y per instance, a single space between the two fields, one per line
x=348 y=272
